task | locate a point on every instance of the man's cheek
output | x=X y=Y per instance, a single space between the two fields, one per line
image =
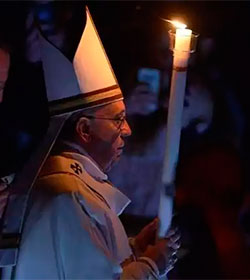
x=115 y=137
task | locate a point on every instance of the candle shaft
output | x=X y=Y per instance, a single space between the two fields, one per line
x=182 y=47
x=174 y=124
x=177 y=93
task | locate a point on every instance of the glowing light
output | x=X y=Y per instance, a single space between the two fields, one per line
x=176 y=23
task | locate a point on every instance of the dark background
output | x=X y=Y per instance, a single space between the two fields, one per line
x=133 y=36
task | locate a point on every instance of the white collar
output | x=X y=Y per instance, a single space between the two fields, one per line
x=116 y=200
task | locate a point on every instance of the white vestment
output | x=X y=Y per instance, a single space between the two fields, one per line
x=72 y=229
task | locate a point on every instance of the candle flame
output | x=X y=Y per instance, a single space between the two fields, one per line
x=176 y=23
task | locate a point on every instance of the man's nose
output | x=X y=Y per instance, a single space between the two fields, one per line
x=126 y=130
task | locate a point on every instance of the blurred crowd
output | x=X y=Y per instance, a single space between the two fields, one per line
x=212 y=181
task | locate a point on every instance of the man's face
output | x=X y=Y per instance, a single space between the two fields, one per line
x=4 y=69
x=107 y=135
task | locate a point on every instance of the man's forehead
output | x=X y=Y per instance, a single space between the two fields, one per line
x=112 y=109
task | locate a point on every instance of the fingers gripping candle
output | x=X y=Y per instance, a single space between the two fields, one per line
x=181 y=52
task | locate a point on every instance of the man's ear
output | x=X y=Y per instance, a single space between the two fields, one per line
x=83 y=129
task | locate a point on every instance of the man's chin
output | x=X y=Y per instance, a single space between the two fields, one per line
x=113 y=163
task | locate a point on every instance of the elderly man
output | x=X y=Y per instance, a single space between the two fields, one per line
x=71 y=225
x=89 y=144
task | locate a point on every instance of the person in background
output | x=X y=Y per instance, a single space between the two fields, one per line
x=4 y=70
x=20 y=83
x=8 y=178
x=210 y=192
x=144 y=154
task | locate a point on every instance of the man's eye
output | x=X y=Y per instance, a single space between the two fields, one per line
x=118 y=120
x=122 y=119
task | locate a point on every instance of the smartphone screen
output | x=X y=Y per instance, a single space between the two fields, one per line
x=151 y=77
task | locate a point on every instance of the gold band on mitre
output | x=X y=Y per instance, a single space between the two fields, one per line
x=86 y=101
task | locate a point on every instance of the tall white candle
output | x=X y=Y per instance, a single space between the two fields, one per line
x=177 y=92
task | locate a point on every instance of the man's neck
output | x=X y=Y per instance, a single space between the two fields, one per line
x=68 y=146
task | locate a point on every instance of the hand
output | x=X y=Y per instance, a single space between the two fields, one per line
x=163 y=253
x=147 y=236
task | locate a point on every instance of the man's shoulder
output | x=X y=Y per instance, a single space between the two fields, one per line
x=56 y=194
x=59 y=178
x=60 y=175
x=65 y=195
x=58 y=183
x=60 y=187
